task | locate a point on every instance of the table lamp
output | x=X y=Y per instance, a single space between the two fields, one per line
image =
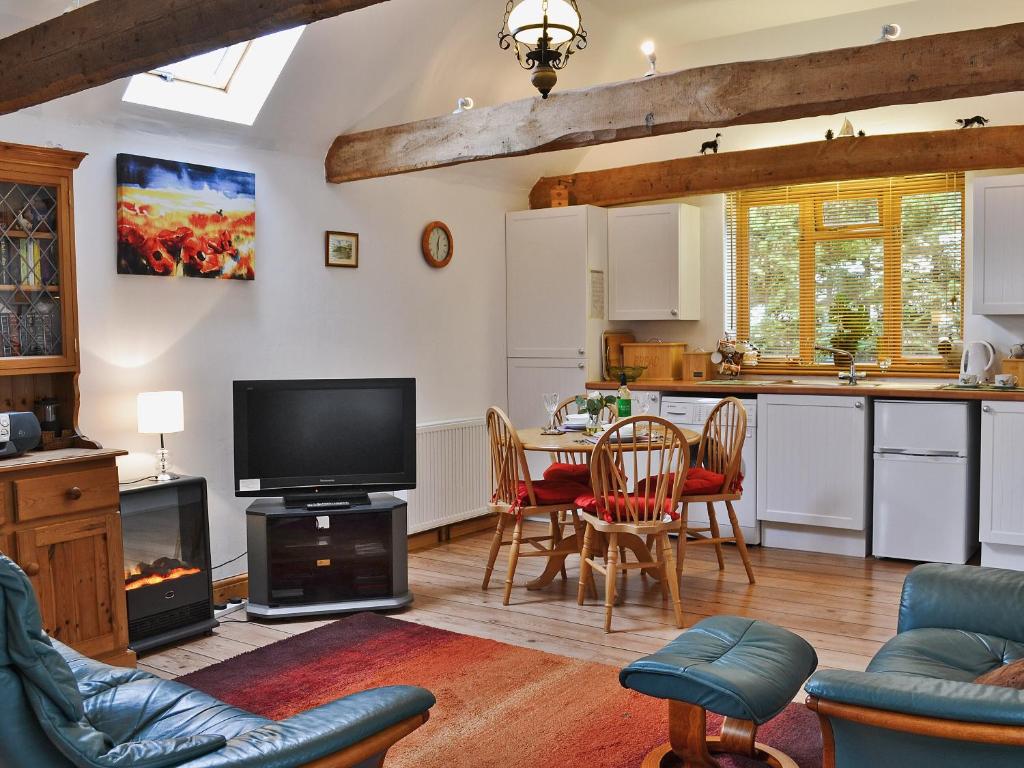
x=161 y=413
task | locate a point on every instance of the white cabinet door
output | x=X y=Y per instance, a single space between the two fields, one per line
x=528 y=380
x=654 y=260
x=998 y=259
x=1002 y=478
x=546 y=263
x=812 y=460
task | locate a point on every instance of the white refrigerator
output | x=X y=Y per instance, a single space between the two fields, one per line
x=925 y=498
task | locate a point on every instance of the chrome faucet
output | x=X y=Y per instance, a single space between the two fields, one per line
x=850 y=378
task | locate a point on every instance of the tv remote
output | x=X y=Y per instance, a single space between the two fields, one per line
x=328 y=505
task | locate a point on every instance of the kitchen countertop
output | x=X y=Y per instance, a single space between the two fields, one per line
x=924 y=390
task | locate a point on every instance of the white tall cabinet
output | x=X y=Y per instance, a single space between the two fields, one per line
x=998 y=258
x=812 y=472
x=557 y=277
x=654 y=262
x=1001 y=525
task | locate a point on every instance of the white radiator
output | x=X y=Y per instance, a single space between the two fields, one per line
x=452 y=481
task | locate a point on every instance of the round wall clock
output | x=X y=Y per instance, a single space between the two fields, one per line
x=438 y=245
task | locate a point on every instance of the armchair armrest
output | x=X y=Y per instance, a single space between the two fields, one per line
x=984 y=600
x=391 y=712
x=923 y=697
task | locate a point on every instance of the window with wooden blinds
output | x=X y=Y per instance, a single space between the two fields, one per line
x=874 y=267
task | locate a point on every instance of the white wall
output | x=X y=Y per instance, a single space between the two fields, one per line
x=393 y=316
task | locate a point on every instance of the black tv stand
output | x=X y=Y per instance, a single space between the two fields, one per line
x=313 y=562
x=355 y=497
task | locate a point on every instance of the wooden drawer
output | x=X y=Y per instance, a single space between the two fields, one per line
x=65 y=493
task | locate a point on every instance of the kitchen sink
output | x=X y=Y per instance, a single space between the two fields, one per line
x=846 y=384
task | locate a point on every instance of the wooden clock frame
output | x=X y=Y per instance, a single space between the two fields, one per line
x=425 y=244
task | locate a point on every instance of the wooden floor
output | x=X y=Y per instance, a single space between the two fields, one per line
x=845 y=607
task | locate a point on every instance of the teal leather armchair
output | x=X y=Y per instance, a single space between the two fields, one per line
x=60 y=709
x=917 y=703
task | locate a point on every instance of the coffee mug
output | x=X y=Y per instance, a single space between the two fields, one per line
x=969 y=379
x=1006 y=380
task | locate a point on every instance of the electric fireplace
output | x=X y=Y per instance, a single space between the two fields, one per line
x=167 y=577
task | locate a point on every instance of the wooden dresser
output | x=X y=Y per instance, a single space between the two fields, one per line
x=59 y=520
x=59 y=516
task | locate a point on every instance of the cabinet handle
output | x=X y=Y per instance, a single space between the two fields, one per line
x=986 y=408
x=858 y=405
x=582 y=351
x=74 y=493
x=674 y=312
x=581 y=366
x=31 y=569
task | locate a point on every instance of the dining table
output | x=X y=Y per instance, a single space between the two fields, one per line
x=538 y=439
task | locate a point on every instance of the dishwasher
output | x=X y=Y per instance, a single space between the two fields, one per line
x=691 y=413
x=925 y=498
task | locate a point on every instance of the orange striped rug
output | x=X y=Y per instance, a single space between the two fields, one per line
x=498 y=706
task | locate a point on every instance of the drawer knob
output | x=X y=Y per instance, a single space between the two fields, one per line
x=673 y=312
x=31 y=569
x=74 y=493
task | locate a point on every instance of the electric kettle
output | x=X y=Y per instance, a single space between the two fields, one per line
x=979 y=360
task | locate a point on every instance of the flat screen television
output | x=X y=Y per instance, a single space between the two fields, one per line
x=324 y=439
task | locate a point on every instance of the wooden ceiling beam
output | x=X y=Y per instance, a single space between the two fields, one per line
x=898 y=154
x=932 y=68
x=110 y=39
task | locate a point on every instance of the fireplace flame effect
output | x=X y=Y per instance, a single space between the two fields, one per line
x=160 y=570
x=149 y=581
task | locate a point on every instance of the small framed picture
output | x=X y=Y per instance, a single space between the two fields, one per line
x=341 y=249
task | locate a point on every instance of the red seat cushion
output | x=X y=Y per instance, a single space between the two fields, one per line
x=615 y=509
x=551 y=492
x=577 y=473
x=702 y=482
x=699 y=482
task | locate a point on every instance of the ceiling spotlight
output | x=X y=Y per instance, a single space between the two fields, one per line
x=543 y=35
x=890 y=32
x=647 y=48
x=464 y=104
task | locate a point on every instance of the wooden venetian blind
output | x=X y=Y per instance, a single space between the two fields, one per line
x=874 y=267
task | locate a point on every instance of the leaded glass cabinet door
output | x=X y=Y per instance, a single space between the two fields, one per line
x=37 y=291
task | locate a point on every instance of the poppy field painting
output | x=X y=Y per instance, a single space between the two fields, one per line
x=178 y=219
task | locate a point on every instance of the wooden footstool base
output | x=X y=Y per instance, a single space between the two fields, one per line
x=690 y=747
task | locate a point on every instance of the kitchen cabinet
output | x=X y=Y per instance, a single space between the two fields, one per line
x=813 y=472
x=654 y=262
x=528 y=380
x=1001 y=525
x=556 y=268
x=998 y=258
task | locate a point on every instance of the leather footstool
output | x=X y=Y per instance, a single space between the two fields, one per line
x=745 y=670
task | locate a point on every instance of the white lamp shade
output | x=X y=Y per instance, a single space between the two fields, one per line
x=161 y=412
x=527 y=19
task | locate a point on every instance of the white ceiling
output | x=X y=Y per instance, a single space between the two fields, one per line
x=409 y=59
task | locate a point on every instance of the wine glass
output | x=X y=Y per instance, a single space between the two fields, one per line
x=647 y=400
x=551 y=405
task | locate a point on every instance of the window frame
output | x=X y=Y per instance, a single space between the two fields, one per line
x=811 y=198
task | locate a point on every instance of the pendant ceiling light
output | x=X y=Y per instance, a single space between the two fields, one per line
x=543 y=34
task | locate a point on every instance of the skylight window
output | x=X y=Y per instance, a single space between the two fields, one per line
x=214 y=69
x=229 y=84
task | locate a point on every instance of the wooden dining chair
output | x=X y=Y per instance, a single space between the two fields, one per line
x=516 y=495
x=716 y=478
x=571 y=465
x=654 y=449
